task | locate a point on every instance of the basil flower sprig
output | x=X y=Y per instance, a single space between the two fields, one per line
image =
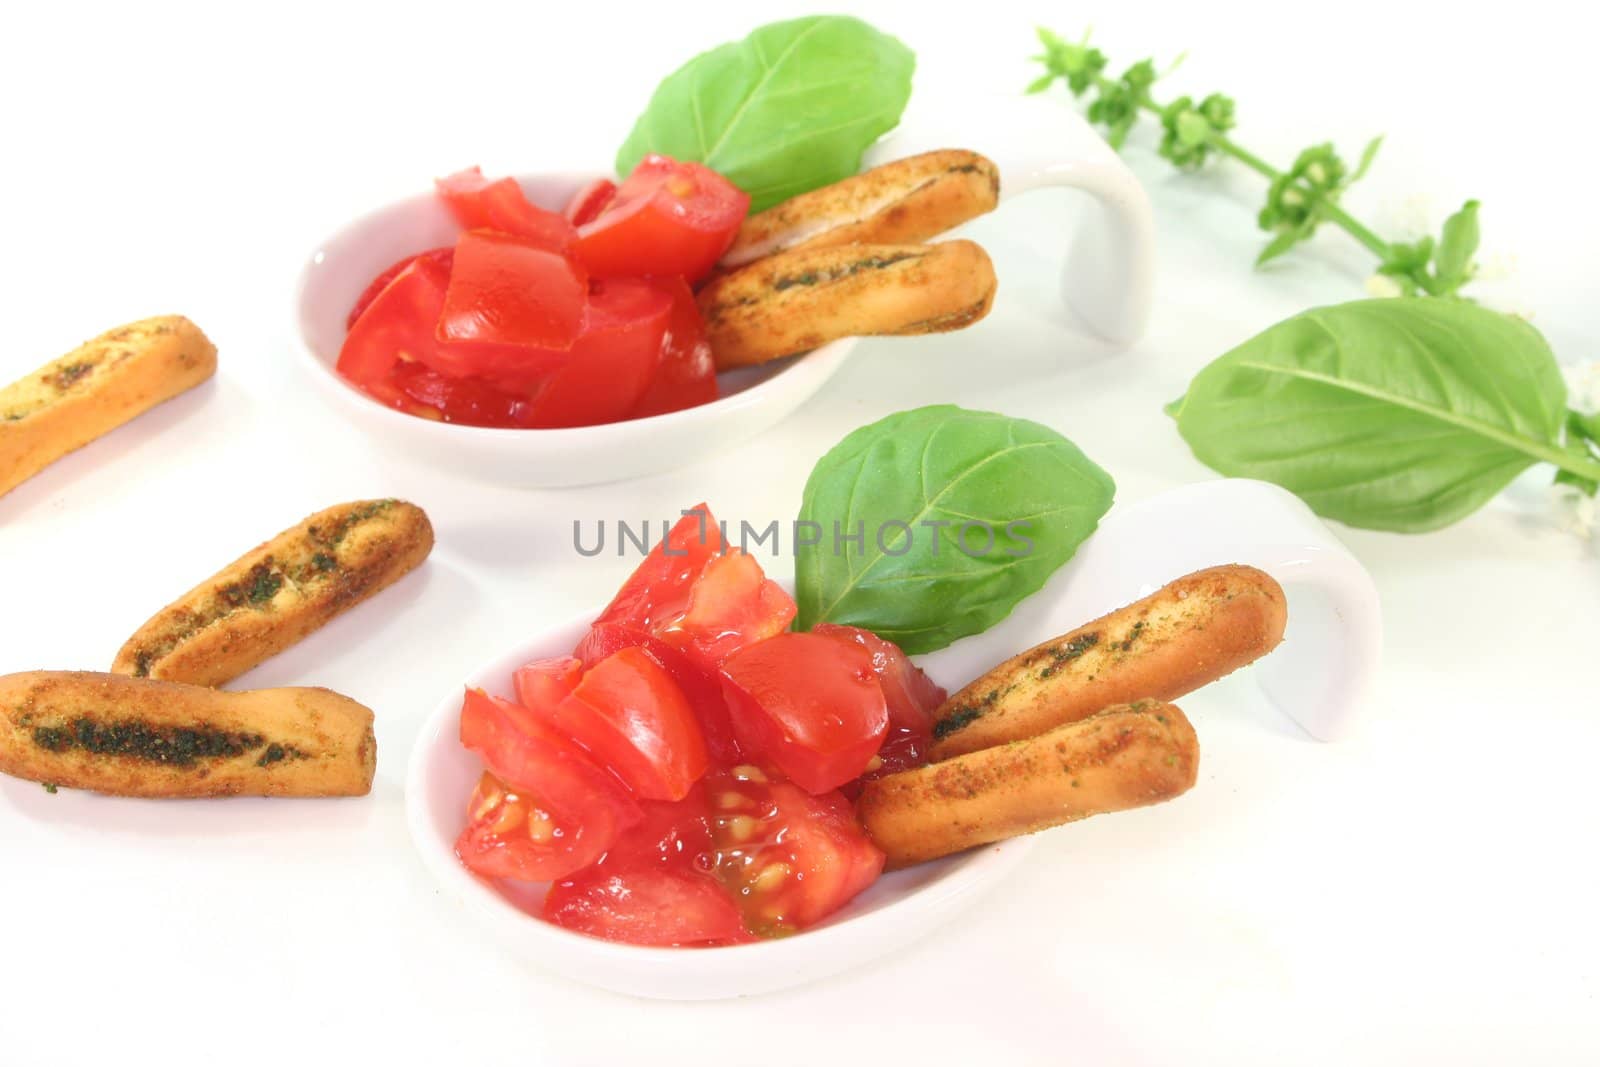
x=1299 y=200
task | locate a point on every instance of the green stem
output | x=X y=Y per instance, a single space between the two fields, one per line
x=1232 y=149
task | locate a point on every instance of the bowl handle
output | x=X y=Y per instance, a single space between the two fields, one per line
x=1041 y=142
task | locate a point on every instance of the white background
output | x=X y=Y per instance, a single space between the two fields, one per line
x=1424 y=893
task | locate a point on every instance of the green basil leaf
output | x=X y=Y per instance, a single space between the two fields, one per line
x=1015 y=500
x=1282 y=243
x=1458 y=243
x=1401 y=414
x=1368 y=155
x=790 y=108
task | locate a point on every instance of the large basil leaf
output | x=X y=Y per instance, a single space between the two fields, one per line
x=1402 y=414
x=788 y=109
x=893 y=483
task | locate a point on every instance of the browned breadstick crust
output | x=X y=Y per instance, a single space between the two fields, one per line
x=279 y=592
x=904 y=202
x=1127 y=756
x=796 y=301
x=95 y=388
x=1184 y=635
x=141 y=738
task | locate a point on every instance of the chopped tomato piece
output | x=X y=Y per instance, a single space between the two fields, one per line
x=667 y=218
x=394 y=354
x=510 y=835
x=790 y=858
x=481 y=204
x=911 y=696
x=395 y=325
x=443 y=256
x=656 y=886
x=508 y=290
x=686 y=376
x=469 y=401
x=702 y=688
x=525 y=751
x=589 y=201
x=612 y=361
x=732 y=604
x=808 y=703
x=631 y=716
x=547 y=682
x=659 y=588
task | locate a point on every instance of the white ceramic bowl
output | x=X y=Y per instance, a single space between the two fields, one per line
x=345 y=262
x=1109 y=265
x=1318 y=677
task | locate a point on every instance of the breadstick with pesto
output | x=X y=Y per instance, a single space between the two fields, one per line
x=142 y=738
x=95 y=388
x=279 y=592
x=1187 y=633
x=1127 y=756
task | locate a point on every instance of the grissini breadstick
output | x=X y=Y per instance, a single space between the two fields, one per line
x=795 y=301
x=1187 y=633
x=904 y=202
x=95 y=388
x=142 y=738
x=1123 y=757
x=279 y=592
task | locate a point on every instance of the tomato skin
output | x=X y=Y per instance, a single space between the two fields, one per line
x=658 y=589
x=667 y=218
x=481 y=204
x=611 y=362
x=686 y=376
x=810 y=704
x=467 y=401
x=395 y=324
x=910 y=694
x=587 y=203
x=508 y=290
x=702 y=688
x=392 y=353
x=444 y=257
x=544 y=683
x=631 y=716
x=527 y=752
x=509 y=835
x=732 y=604
x=656 y=885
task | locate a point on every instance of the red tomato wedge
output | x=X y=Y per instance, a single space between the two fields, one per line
x=442 y=256
x=589 y=201
x=790 y=859
x=732 y=604
x=645 y=905
x=396 y=325
x=667 y=218
x=658 y=589
x=525 y=751
x=469 y=401
x=632 y=717
x=481 y=204
x=394 y=354
x=686 y=375
x=547 y=682
x=612 y=361
x=656 y=885
x=702 y=688
x=810 y=704
x=910 y=694
x=509 y=835
x=508 y=290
